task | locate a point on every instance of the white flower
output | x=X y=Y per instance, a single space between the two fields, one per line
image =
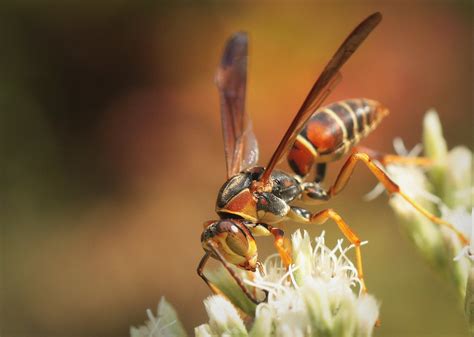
x=319 y=295
x=315 y=297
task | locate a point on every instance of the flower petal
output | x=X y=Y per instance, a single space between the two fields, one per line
x=223 y=317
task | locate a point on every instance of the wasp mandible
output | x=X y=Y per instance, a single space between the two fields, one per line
x=254 y=198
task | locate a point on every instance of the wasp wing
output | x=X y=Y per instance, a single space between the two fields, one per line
x=322 y=88
x=240 y=145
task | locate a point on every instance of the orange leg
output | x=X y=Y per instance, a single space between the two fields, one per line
x=321 y=217
x=283 y=250
x=303 y=216
x=385 y=159
x=389 y=184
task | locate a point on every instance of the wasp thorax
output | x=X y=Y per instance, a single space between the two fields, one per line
x=244 y=196
x=260 y=187
x=232 y=239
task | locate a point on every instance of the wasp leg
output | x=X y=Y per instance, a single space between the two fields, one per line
x=238 y=280
x=283 y=250
x=303 y=216
x=389 y=184
x=313 y=193
x=200 y=271
x=263 y=229
x=385 y=158
x=320 y=169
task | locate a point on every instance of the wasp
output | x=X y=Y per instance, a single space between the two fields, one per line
x=254 y=199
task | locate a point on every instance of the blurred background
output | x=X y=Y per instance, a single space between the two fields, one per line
x=111 y=151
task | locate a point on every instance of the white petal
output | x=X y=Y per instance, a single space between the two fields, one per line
x=223 y=316
x=459 y=176
x=302 y=255
x=433 y=140
x=263 y=323
x=368 y=313
x=202 y=331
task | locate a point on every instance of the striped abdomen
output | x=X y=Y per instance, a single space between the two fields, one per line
x=332 y=131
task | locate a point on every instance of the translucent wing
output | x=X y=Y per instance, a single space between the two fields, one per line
x=240 y=145
x=322 y=88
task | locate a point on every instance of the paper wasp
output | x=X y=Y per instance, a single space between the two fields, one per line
x=255 y=198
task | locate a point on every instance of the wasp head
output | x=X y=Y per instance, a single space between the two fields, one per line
x=237 y=198
x=233 y=241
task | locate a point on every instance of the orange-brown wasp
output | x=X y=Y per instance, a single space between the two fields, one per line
x=255 y=198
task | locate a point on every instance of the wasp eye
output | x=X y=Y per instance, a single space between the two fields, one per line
x=237 y=241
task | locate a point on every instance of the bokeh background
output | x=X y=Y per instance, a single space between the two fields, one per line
x=111 y=150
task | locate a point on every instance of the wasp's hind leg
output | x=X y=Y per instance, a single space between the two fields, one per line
x=387 y=182
x=385 y=158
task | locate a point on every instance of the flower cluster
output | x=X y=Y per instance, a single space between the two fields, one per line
x=445 y=189
x=315 y=296
x=319 y=295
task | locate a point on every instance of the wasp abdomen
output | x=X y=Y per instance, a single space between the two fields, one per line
x=332 y=131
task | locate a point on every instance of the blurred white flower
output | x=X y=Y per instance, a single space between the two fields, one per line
x=444 y=189
x=165 y=324
x=461 y=219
